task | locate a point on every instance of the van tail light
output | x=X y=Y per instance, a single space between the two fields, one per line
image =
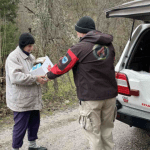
x=123 y=85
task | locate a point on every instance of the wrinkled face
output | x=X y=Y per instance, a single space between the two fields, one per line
x=80 y=34
x=29 y=48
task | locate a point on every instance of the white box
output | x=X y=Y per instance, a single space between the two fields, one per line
x=41 y=71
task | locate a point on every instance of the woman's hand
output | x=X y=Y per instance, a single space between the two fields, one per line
x=41 y=79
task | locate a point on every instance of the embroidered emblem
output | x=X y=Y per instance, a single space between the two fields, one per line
x=64 y=60
x=100 y=52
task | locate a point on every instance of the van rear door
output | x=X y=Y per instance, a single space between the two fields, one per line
x=139 y=9
x=139 y=80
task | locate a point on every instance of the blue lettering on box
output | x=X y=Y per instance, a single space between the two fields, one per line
x=36 y=66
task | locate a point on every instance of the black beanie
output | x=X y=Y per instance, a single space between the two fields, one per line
x=25 y=39
x=85 y=24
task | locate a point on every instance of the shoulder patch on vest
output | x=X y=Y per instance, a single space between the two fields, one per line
x=64 y=60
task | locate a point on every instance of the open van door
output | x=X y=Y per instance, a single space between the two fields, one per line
x=139 y=9
x=136 y=10
x=133 y=68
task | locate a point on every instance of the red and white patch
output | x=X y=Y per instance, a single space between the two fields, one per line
x=125 y=99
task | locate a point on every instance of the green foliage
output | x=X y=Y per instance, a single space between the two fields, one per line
x=8 y=40
x=8 y=29
x=66 y=92
x=10 y=35
x=8 y=9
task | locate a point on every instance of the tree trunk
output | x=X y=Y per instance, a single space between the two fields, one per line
x=0 y=49
x=70 y=80
x=55 y=85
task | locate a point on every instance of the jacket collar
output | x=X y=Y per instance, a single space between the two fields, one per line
x=97 y=37
x=23 y=55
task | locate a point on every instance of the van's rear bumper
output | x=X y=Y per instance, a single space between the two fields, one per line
x=134 y=117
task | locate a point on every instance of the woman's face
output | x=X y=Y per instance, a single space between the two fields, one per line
x=29 y=48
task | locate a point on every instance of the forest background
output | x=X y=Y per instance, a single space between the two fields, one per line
x=52 y=22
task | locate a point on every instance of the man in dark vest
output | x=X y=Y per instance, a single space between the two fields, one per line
x=92 y=63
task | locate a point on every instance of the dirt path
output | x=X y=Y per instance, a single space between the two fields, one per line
x=57 y=132
x=61 y=131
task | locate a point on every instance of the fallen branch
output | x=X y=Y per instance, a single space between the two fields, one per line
x=29 y=10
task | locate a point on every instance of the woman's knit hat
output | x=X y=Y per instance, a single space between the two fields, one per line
x=25 y=39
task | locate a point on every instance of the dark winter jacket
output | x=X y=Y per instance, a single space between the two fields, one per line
x=92 y=63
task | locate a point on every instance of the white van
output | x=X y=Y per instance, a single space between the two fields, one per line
x=133 y=68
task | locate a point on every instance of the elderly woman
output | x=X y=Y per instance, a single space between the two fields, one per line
x=23 y=93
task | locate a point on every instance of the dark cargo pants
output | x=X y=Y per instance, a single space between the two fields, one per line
x=25 y=120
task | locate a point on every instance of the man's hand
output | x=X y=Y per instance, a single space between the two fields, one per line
x=41 y=79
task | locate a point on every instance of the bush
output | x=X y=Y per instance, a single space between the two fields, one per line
x=65 y=95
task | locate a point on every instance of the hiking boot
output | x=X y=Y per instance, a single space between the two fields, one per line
x=38 y=148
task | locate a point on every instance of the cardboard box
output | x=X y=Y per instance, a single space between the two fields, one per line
x=42 y=69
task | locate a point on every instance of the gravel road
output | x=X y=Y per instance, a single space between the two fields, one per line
x=61 y=131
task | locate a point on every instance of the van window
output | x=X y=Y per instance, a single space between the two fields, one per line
x=140 y=57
